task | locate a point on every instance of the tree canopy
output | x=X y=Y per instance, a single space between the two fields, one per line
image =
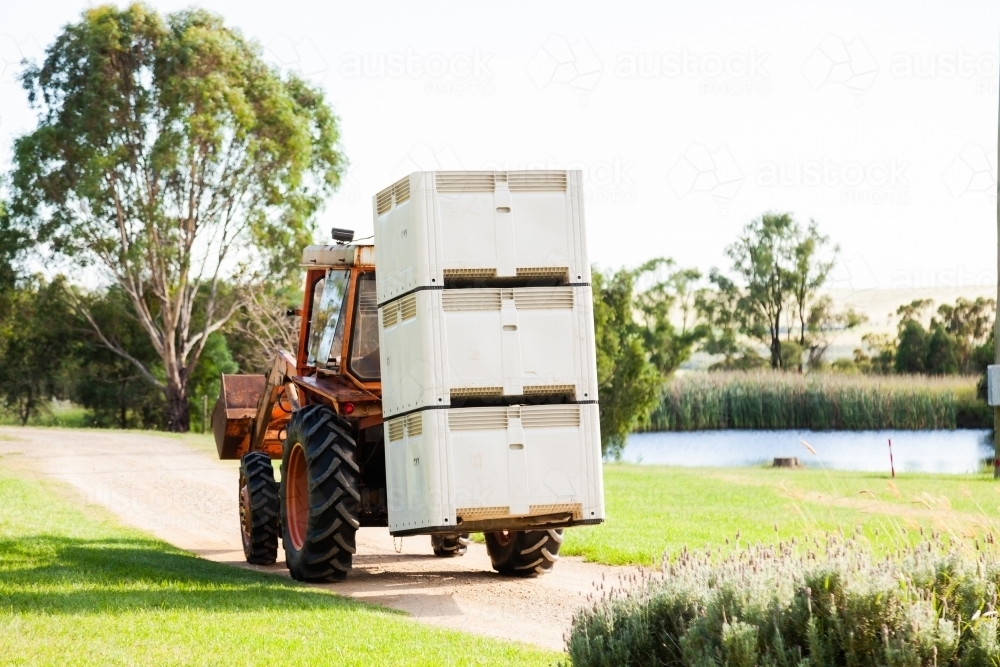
x=778 y=270
x=638 y=343
x=169 y=154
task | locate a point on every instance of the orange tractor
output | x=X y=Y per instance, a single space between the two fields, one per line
x=320 y=412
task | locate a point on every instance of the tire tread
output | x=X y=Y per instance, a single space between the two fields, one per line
x=334 y=499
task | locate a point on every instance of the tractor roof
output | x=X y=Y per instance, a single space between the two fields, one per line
x=338 y=255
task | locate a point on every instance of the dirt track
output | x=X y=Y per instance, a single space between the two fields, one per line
x=184 y=496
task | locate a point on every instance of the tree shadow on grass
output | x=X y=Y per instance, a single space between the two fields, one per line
x=62 y=575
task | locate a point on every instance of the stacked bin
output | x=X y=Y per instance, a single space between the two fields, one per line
x=489 y=382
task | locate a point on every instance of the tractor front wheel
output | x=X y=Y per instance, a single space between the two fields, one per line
x=524 y=553
x=258 y=509
x=320 y=499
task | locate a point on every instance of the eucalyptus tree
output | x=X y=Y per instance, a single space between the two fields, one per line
x=169 y=154
x=765 y=262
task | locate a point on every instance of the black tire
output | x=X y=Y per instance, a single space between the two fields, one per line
x=258 y=509
x=450 y=544
x=524 y=553
x=320 y=517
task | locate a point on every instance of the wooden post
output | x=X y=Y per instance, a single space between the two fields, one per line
x=996 y=321
x=204 y=413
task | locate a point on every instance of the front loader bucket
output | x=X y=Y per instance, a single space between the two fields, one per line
x=234 y=413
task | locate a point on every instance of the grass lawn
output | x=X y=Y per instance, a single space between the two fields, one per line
x=78 y=588
x=655 y=508
x=61 y=414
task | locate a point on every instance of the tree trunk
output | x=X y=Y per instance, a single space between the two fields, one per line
x=123 y=406
x=25 y=411
x=776 y=351
x=178 y=414
x=802 y=339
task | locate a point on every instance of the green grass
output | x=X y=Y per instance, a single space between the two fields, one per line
x=65 y=415
x=657 y=509
x=77 y=588
x=775 y=400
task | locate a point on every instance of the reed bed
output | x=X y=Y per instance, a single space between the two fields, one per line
x=775 y=400
x=801 y=603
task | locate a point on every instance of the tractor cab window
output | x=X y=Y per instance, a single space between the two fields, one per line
x=364 y=362
x=326 y=329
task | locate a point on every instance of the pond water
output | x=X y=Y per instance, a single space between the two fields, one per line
x=960 y=451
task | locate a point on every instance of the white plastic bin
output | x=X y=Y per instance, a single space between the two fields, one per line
x=435 y=228
x=449 y=468
x=442 y=347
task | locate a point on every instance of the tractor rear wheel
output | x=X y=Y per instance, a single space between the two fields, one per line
x=258 y=509
x=450 y=544
x=524 y=553
x=319 y=495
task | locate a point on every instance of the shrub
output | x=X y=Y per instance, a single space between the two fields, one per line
x=801 y=605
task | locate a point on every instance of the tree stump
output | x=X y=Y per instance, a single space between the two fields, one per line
x=787 y=462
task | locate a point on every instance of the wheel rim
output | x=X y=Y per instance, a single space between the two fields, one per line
x=297 y=496
x=503 y=537
x=246 y=520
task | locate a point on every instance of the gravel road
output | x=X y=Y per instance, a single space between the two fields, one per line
x=182 y=494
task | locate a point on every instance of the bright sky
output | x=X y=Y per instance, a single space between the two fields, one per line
x=879 y=120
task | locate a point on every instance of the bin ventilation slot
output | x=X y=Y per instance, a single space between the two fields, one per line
x=576 y=509
x=559 y=272
x=465 y=181
x=485 y=181
x=476 y=392
x=408 y=307
x=414 y=424
x=539 y=181
x=404 y=309
x=470 y=299
x=543 y=297
x=550 y=416
x=383 y=200
x=401 y=190
x=472 y=419
x=475 y=513
x=549 y=389
x=396 y=429
x=469 y=274
x=390 y=315
x=396 y=193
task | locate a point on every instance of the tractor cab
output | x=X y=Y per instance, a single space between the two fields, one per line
x=340 y=297
x=336 y=362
